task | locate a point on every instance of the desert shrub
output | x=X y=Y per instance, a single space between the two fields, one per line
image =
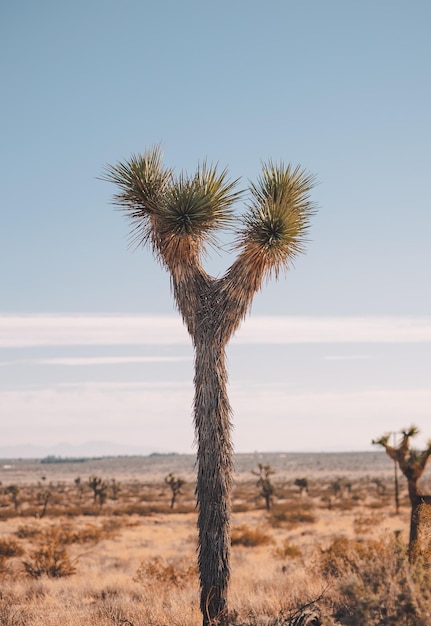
x=68 y=534
x=287 y=550
x=51 y=559
x=90 y=533
x=11 y=614
x=292 y=515
x=3 y=565
x=10 y=548
x=175 y=573
x=249 y=537
x=377 y=505
x=365 y=523
x=374 y=583
x=346 y=504
x=27 y=531
x=110 y=613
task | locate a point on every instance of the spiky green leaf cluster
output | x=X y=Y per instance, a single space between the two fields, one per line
x=198 y=205
x=279 y=212
x=167 y=209
x=178 y=215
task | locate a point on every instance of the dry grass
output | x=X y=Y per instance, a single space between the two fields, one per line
x=132 y=560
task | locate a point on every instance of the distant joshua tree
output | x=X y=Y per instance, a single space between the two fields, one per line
x=80 y=487
x=175 y=484
x=177 y=216
x=43 y=497
x=302 y=484
x=115 y=489
x=13 y=491
x=264 y=483
x=99 y=488
x=412 y=463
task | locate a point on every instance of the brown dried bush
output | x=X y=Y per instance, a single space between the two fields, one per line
x=175 y=573
x=291 y=515
x=249 y=537
x=10 y=548
x=51 y=559
x=287 y=550
x=374 y=584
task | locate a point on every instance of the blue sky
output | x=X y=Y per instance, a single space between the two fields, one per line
x=342 y=88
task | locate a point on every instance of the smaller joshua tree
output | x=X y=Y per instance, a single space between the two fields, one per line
x=412 y=463
x=264 y=483
x=115 y=489
x=43 y=497
x=100 y=489
x=175 y=484
x=302 y=484
x=13 y=491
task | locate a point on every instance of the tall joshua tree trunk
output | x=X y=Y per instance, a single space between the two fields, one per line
x=214 y=479
x=212 y=311
x=177 y=217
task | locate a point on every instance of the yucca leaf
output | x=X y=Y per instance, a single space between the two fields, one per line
x=274 y=230
x=143 y=180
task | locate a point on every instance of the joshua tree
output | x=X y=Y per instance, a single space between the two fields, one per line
x=177 y=216
x=302 y=484
x=412 y=463
x=115 y=488
x=13 y=491
x=43 y=497
x=264 y=483
x=80 y=487
x=175 y=484
x=100 y=489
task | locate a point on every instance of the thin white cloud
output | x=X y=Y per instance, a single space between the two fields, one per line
x=300 y=329
x=347 y=357
x=57 y=330
x=102 y=360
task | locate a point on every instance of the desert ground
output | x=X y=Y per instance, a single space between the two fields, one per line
x=335 y=549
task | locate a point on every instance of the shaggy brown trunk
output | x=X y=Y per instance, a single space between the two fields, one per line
x=197 y=296
x=414 y=515
x=214 y=480
x=417 y=501
x=212 y=310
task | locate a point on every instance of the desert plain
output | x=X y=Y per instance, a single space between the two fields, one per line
x=334 y=549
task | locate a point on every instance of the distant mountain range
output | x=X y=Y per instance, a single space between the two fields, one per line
x=88 y=449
